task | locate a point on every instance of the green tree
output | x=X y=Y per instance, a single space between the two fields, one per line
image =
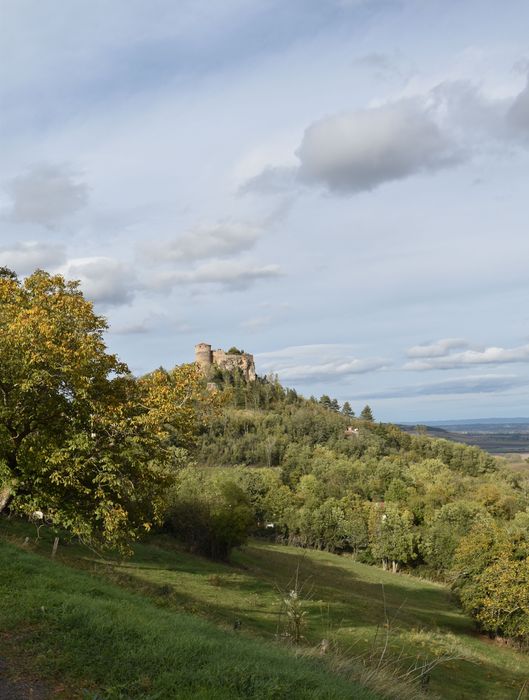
x=503 y=607
x=211 y=514
x=445 y=531
x=325 y=401
x=391 y=535
x=367 y=414
x=347 y=410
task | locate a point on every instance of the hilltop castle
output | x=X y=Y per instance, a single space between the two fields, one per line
x=206 y=358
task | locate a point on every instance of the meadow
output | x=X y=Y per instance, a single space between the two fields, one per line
x=168 y=624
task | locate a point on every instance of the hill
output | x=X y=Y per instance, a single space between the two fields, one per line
x=88 y=638
x=320 y=531
x=161 y=625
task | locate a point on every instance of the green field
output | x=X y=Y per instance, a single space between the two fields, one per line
x=161 y=625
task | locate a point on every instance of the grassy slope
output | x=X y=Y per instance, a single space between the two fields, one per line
x=346 y=605
x=78 y=632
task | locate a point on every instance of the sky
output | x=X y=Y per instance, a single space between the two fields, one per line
x=340 y=187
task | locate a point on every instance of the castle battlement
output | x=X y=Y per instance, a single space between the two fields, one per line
x=206 y=358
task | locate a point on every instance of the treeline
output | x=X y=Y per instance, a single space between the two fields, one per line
x=388 y=498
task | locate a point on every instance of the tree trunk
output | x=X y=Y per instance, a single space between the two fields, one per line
x=5 y=496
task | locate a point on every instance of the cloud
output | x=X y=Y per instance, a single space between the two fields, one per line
x=154 y=321
x=315 y=363
x=25 y=257
x=232 y=275
x=221 y=240
x=518 y=114
x=479 y=384
x=361 y=150
x=103 y=280
x=45 y=195
x=438 y=349
x=442 y=358
x=273 y=179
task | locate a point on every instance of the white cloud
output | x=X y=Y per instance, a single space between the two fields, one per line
x=360 y=150
x=273 y=179
x=233 y=275
x=314 y=363
x=438 y=349
x=24 y=258
x=103 y=280
x=45 y=195
x=220 y=240
x=454 y=360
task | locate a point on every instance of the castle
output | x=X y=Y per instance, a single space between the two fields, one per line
x=206 y=358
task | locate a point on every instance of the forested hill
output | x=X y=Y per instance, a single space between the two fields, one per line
x=316 y=477
x=266 y=425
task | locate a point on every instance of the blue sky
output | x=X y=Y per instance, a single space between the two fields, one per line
x=338 y=186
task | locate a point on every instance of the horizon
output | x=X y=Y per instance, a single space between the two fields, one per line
x=337 y=186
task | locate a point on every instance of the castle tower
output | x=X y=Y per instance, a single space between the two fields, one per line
x=203 y=356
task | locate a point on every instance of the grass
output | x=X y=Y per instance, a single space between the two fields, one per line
x=346 y=603
x=105 y=642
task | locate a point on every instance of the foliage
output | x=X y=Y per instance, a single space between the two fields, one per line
x=367 y=413
x=81 y=440
x=492 y=569
x=391 y=535
x=380 y=494
x=210 y=515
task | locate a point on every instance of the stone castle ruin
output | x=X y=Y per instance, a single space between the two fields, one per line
x=206 y=358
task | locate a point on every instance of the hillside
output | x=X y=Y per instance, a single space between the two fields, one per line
x=87 y=638
x=341 y=558
x=163 y=623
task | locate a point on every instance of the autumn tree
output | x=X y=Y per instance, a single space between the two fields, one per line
x=81 y=440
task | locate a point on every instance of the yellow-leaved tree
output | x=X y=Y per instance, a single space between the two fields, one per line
x=83 y=442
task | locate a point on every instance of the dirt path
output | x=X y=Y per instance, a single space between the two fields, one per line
x=19 y=690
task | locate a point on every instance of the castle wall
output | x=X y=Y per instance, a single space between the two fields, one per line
x=244 y=362
x=205 y=357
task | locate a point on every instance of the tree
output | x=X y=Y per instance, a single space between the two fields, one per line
x=209 y=514
x=335 y=406
x=80 y=439
x=391 y=535
x=325 y=401
x=445 y=531
x=347 y=410
x=367 y=414
x=503 y=607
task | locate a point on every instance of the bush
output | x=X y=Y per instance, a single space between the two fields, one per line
x=211 y=519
